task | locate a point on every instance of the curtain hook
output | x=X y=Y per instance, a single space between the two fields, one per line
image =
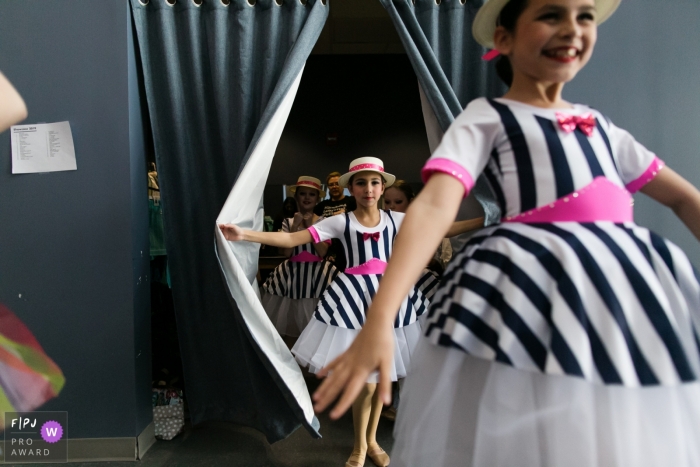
x=323 y=2
x=279 y=2
x=225 y=2
x=304 y=2
x=438 y=2
x=463 y=2
x=144 y=2
x=170 y=2
x=197 y=2
x=252 y=2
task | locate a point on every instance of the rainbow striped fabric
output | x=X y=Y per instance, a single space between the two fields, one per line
x=28 y=377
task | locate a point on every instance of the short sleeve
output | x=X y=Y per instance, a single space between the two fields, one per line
x=466 y=146
x=317 y=221
x=330 y=227
x=636 y=164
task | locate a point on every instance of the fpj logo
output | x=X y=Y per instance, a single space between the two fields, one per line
x=35 y=436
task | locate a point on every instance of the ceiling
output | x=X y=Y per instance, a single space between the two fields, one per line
x=358 y=27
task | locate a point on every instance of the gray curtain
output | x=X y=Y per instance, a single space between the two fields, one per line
x=447 y=60
x=215 y=72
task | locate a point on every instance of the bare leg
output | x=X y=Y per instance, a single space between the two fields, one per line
x=374 y=451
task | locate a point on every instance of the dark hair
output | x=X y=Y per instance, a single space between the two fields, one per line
x=289 y=201
x=331 y=175
x=405 y=188
x=508 y=18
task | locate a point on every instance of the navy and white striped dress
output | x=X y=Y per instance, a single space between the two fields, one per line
x=340 y=313
x=291 y=292
x=584 y=325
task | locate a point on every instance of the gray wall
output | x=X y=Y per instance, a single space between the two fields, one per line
x=75 y=244
x=644 y=75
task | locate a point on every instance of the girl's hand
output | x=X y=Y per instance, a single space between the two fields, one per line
x=372 y=349
x=232 y=232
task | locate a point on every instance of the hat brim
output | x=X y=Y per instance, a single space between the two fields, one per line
x=484 y=25
x=389 y=179
x=321 y=193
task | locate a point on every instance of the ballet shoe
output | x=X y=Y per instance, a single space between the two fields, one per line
x=356 y=459
x=378 y=456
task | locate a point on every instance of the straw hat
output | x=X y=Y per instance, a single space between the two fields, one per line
x=486 y=19
x=364 y=164
x=311 y=182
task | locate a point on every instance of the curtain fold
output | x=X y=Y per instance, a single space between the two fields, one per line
x=447 y=60
x=220 y=78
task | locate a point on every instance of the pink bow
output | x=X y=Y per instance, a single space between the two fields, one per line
x=568 y=123
x=374 y=236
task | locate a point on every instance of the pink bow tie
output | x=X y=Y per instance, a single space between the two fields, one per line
x=374 y=236
x=568 y=123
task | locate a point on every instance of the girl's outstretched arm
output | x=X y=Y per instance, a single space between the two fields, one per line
x=12 y=108
x=234 y=233
x=672 y=190
x=427 y=220
x=460 y=227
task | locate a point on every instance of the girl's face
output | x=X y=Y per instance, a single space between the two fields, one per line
x=395 y=200
x=367 y=188
x=552 y=41
x=306 y=198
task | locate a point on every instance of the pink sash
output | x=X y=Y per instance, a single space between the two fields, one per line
x=373 y=266
x=305 y=257
x=600 y=200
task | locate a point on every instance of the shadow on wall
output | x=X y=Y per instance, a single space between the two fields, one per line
x=351 y=106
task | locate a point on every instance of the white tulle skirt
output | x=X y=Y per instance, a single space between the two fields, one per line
x=289 y=315
x=321 y=343
x=459 y=410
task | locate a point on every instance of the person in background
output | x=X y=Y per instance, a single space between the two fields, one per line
x=289 y=296
x=337 y=204
x=397 y=198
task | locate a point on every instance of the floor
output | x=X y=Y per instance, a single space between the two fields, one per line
x=215 y=444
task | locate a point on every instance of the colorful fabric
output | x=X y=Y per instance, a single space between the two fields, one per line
x=28 y=377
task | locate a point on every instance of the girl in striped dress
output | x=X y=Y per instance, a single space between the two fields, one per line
x=292 y=291
x=567 y=335
x=367 y=235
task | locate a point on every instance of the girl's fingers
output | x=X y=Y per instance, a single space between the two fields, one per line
x=350 y=393
x=329 y=389
x=384 y=383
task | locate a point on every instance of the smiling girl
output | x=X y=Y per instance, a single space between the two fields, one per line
x=567 y=335
x=367 y=235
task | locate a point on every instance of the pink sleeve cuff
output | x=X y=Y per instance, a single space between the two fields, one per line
x=448 y=167
x=648 y=175
x=314 y=234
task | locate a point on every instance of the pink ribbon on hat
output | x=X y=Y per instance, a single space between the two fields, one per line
x=309 y=183
x=376 y=167
x=374 y=236
x=586 y=122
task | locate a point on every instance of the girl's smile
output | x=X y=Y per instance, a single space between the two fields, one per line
x=306 y=198
x=552 y=41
